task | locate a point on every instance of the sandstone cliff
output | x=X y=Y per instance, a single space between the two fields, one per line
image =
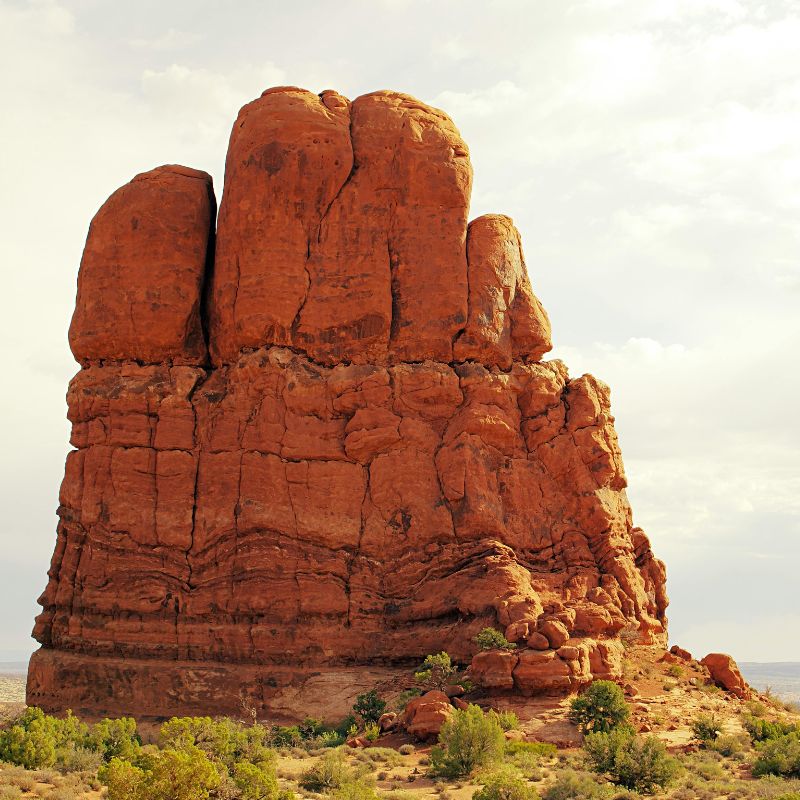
x=321 y=435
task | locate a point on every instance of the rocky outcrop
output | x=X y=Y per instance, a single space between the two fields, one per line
x=725 y=672
x=334 y=444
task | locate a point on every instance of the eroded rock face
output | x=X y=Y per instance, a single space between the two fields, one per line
x=372 y=464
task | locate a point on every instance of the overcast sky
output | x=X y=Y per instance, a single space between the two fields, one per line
x=648 y=150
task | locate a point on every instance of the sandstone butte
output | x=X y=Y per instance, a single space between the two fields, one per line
x=317 y=441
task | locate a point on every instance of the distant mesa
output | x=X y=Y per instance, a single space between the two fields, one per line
x=317 y=442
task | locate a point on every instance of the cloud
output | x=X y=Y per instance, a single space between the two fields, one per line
x=481 y=102
x=169 y=40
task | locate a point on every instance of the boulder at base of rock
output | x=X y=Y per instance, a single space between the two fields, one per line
x=725 y=673
x=424 y=716
x=491 y=669
x=680 y=653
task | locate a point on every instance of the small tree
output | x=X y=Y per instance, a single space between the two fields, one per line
x=635 y=762
x=505 y=784
x=469 y=739
x=369 y=706
x=707 y=727
x=779 y=756
x=600 y=709
x=437 y=671
x=491 y=639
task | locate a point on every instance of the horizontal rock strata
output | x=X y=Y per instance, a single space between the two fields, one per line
x=322 y=435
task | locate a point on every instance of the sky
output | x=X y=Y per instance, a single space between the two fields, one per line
x=648 y=151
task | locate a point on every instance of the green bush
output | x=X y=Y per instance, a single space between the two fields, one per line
x=507 y=720
x=707 y=727
x=600 y=709
x=505 y=785
x=331 y=739
x=535 y=748
x=761 y=729
x=223 y=740
x=329 y=773
x=468 y=739
x=286 y=736
x=343 y=728
x=570 y=785
x=779 y=756
x=491 y=639
x=116 y=738
x=359 y=789
x=185 y=774
x=35 y=739
x=310 y=728
x=369 y=706
x=639 y=763
x=255 y=781
x=436 y=671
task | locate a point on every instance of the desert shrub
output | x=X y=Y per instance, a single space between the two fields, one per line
x=345 y=724
x=761 y=729
x=10 y=793
x=403 y=699
x=707 y=727
x=358 y=789
x=600 y=709
x=224 y=740
x=526 y=756
x=491 y=639
x=436 y=671
x=381 y=755
x=756 y=708
x=468 y=739
x=255 y=781
x=730 y=745
x=310 y=728
x=372 y=731
x=635 y=762
x=779 y=756
x=34 y=738
x=286 y=736
x=675 y=670
x=18 y=776
x=369 y=706
x=329 y=773
x=504 y=784
x=407 y=749
x=544 y=749
x=115 y=738
x=331 y=739
x=75 y=758
x=571 y=785
x=507 y=720
x=185 y=774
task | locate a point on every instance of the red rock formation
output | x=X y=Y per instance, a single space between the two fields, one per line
x=373 y=465
x=725 y=672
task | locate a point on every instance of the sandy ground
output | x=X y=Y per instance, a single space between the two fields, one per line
x=12 y=688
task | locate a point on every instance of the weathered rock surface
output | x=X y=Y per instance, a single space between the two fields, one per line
x=725 y=672
x=371 y=464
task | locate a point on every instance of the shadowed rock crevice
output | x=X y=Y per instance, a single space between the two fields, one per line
x=370 y=463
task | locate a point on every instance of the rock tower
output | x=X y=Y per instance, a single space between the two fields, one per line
x=315 y=438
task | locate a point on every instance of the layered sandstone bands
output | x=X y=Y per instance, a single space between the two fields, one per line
x=334 y=443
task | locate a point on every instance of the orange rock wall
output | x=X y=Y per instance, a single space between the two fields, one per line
x=334 y=443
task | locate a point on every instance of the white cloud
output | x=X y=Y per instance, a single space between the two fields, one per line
x=169 y=40
x=482 y=102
